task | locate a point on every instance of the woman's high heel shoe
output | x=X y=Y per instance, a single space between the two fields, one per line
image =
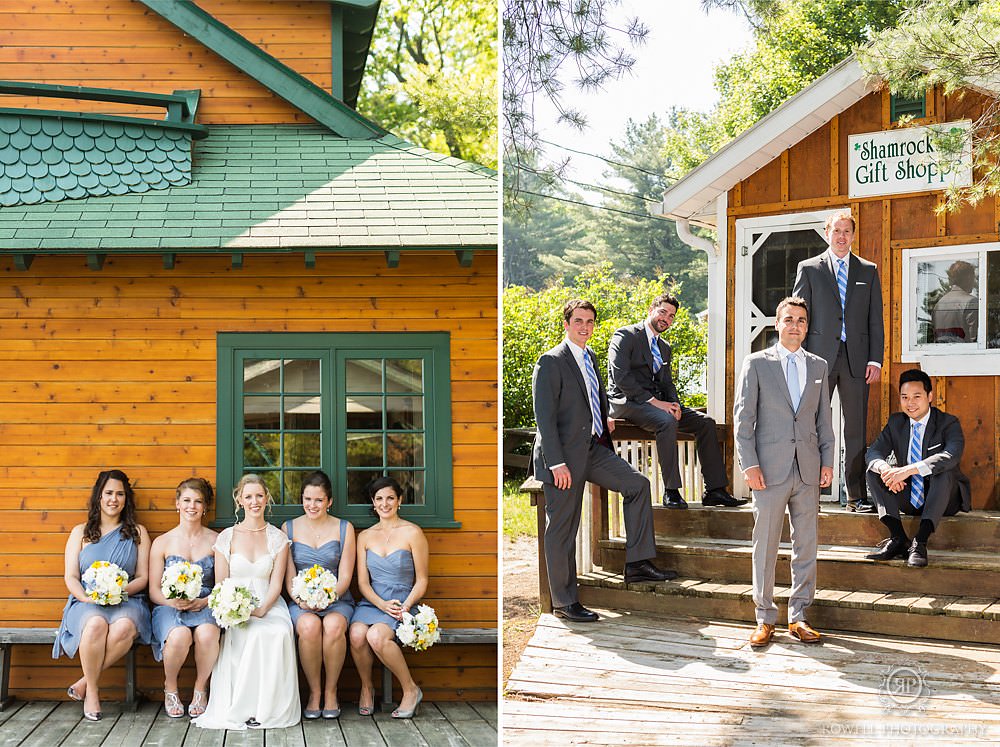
x=366 y=710
x=413 y=712
x=96 y=716
x=172 y=704
x=198 y=703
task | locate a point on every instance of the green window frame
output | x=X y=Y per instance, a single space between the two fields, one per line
x=902 y=106
x=356 y=405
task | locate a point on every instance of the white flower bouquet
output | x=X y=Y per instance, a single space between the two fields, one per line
x=104 y=583
x=182 y=580
x=231 y=603
x=315 y=586
x=419 y=631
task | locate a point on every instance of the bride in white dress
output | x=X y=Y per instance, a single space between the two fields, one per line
x=255 y=680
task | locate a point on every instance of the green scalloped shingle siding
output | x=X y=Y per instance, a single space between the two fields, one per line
x=49 y=159
x=280 y=188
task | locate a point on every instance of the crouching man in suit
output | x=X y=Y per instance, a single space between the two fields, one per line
x=927 y=445
x=785 y=444
x=571 y=448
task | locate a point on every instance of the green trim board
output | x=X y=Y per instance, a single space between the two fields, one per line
x=279 y=188
x=180 y=105
x=284 y=82
x=289 y=403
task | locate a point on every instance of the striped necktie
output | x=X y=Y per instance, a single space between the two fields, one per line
x=654 y=347
x=593 y=387
x=916 y=481
x=842 y=287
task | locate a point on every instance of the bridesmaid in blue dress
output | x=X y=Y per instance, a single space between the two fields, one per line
x=321 y=539
x=392 y=577
x=179 y=622
x=104 y=634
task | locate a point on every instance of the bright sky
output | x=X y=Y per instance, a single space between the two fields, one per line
x=674 y=68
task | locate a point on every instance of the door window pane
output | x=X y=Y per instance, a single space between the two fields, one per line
x=775 y=263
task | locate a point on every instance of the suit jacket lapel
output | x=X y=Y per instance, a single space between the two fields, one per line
x=853 y=268
x=577 y=374
x=774 y=360
x=831 y=270
x=929 y=432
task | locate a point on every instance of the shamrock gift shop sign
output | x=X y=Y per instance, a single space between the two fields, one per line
x=910 y=159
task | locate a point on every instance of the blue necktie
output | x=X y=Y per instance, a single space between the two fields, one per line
x=792 y=377
x=916 y=481
x=654 y=347
x=593 y=388
x=842 y=287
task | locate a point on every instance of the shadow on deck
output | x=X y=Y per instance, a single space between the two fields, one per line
x=47 y=724
x=635 y=678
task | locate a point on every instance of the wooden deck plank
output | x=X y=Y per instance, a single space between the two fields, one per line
x=439 y=731
x=22 y=723
x=635 y=678
x=488 y=711
x=290 y=736
x=324 y=732
x=128 y=728
x=360 y=731
x=399 y=731
x=56 y=726
x=245 y=738
x=198 y=737
x=469 y=724
x=167 y=732
x=10 y=710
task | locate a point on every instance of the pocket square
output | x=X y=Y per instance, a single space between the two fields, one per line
x=818 y=381
x=858 y=282
x=935 y=446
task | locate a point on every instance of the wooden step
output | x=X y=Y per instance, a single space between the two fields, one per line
x=977 y=531
x=951 y=618
x=950 y=572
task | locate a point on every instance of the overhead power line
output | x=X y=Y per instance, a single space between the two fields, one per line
x=606 y=160
x=594 y=207
x=586 y=185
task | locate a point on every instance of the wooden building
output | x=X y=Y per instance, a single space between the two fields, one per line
x=262 y=279
x=767 y=193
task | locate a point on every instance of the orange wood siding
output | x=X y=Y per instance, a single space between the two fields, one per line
x=122 y=44
x=886 y=227
x=117 y=368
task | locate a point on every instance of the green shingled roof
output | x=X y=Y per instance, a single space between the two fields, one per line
x=279 y=188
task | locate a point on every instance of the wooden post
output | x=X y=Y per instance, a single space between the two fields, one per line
x=534 y=489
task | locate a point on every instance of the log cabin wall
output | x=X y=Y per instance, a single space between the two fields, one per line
x=122 y=44
x=117 y=368
x=813 y=175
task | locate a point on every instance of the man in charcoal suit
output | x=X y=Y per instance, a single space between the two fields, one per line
x=927 y=445
x=785 y=446
x=572 y=448
x=641 y=390
x=844 y=297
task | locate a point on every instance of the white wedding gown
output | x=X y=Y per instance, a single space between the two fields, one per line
x=256 y=675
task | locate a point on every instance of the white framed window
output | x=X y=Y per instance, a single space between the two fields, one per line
x=951 y=309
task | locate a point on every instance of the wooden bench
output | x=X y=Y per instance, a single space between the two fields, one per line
x=448 y=636
x=10 y=637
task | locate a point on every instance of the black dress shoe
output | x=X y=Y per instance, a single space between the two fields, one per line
x=672 y=499
x=644 y=570
x=918 y=555
x=719 y=497
x=575 y=612
x=861 y=507
x=890 y=549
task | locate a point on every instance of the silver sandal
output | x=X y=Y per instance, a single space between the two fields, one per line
x=198 y=703
x=172 y=705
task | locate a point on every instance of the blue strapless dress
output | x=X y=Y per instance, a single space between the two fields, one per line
x=392 y=577
x=124 y=553
x=328 y=556
x=166 y=618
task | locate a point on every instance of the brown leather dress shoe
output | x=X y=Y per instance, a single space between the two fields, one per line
x=804 y=632
x=762 y=635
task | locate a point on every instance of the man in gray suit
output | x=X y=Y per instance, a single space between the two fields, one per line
x=641 y=389
x=844 y=297
x=785 y=444
x=571 y=448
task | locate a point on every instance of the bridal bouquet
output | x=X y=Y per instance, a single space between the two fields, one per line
x=104 y=583
x=231 y=603
x=315 y=586
x=419 y=631
x=182 y=580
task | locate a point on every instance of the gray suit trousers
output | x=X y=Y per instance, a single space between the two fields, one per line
x=854 y=405
x=665 y=427
x=562 y=519
x=769 y=505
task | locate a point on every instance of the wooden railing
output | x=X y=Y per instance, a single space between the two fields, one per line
x=602 y=518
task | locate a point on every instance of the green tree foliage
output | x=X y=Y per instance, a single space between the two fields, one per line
x=431 y=75
x=532 y=323
x=545 y=42
x=955 y=45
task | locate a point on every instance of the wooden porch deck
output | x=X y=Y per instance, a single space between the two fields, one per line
x=47 y=724
x=633 y=678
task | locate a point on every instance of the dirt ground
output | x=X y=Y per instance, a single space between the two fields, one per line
x=520 y=598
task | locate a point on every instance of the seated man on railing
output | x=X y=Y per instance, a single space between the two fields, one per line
x=641 y=389
x=927 y=445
